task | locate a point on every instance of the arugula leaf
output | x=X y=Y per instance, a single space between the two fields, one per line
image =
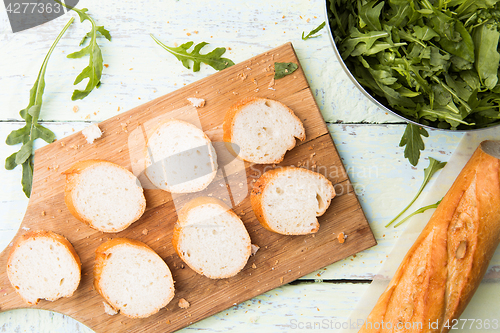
x=412 y=139
x=424 y=33
x=32 y=130
x=212 y=59
x=93 y=71
x=282 y=69
x=486 y=38
x=358 y=37
x=314 y=31
x=370 y=15
x=434 y=166
x=418 y=211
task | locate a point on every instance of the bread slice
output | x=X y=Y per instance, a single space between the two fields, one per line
x=211 y=239
x=104 y=195
x=262 y=130
x=132 y=278
x=43 y=264
x=180 y=158
x=288 y=200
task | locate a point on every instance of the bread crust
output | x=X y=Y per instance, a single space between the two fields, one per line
x=182 y=215
x=260 y=186
x=34 y=234
x=71 y=183
x=100 y=263
x=445 y=265
x=227 y=125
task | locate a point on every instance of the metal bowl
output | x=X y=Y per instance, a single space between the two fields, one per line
x=370 y=96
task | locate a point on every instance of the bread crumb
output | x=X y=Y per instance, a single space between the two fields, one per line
x=145 y=231
x=196 y=102
x=43 y=213
x=25 y=228
x=91 y=133
x=183 y=304
x=254 y=266
x=59 y=210
x=271 y=83
x=282 y=279
x=167 y=322
x=254 y=249
x=109 y=310
x=75 y=108
x=341 y=237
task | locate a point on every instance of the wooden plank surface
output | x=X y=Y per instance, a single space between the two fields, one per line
x=139 y=70
x=281 y=259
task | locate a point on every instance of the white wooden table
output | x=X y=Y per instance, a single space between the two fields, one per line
x=139 y=70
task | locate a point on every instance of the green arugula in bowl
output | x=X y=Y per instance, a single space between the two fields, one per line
x=432 y=62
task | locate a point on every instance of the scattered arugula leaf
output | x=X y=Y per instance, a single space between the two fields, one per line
x=282 y=69
x=434 y=166
x=418 y=211
x=412 y=139
x=93 y=71
x=212 y=58
x=32 y=130
x=433 y=62
x=313 y=32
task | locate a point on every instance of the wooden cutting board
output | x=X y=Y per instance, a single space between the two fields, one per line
x=280 y=260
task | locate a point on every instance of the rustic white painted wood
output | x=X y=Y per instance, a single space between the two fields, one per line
x=139 y=70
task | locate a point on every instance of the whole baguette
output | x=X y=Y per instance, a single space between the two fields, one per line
x=442 y=270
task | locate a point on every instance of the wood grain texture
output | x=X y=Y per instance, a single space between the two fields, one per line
x=374 y=163
x=281 y=259
x=139 y=70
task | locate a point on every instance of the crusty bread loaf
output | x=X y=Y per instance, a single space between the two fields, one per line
x=211 y=239
x=104 y=195
x=132 y=278
x=445 y=265
x=180 y=158
x=43 y=264
x=288 y=200
x=262 y=130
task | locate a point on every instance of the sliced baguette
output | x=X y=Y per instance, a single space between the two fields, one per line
x=132 y=278
x=439 y=275
x=288 y=200
x=43 y=264
x=262 y=130
x=211 y=239
x=104 y=195
x=180 y=158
